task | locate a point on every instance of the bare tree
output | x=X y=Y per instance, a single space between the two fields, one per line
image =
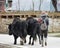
x=30 y=8
x=19 y=4
x=54 y=2
x=40 y=5
x=33 y=5
x=41 y=1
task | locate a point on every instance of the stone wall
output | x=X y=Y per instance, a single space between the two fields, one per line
x=4 y=26
x=54 y=25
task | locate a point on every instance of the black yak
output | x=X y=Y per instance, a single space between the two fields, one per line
x=18 y=28
x=44 y=29
x=33 y=29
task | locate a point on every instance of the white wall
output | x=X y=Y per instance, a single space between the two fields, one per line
x=27 y=5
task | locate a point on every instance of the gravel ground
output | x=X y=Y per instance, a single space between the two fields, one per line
x=7 y=46
x=53 y=34
x=6 y=41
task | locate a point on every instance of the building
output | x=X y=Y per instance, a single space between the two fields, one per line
x=10 y=3
x=2 y=5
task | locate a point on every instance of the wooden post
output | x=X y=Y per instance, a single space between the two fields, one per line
x=0 y=23
x=53 y=23
x=0 y=19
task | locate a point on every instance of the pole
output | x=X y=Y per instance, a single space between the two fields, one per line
x=19 y=4
x=40 y=6
x=33 y=4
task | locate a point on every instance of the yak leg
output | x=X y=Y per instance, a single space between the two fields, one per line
x=30 y=40
x=21 y=41
x=42 y=40
x=45 y=41
x=45 y=36
x=15 y=39
x=39 y=34
x=33 y=41
x=34 y=38
x=39 y=38
x=25 y=41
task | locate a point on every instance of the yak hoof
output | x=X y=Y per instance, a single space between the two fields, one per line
x=14 y=43
x=45 y=44
x=29 y=43
x=42 y=45
x=39 y=42
x=25 y=41
x=32 y=43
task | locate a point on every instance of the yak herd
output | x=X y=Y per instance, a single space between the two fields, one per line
x=30 y=26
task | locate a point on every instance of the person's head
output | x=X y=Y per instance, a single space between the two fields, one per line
x=44 y=14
